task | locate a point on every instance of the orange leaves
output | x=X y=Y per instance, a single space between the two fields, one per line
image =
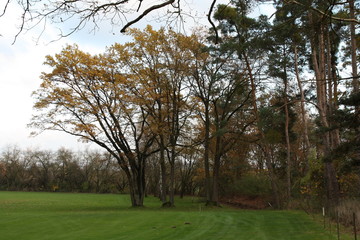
x=133 y=90
x=85 y=128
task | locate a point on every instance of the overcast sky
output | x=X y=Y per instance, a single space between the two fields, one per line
x=21 y=64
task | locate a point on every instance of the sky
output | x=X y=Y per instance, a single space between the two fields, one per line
x=21 y=64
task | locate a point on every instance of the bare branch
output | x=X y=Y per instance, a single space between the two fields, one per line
x=81 y=12
x=147 y=11
x=4 y=11
x=140 y=2
x=211 y=22
x=26 y=11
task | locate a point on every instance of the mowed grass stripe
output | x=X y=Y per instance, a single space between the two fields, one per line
x=95 y=216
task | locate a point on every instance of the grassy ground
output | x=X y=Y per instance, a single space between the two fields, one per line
x=94 y=216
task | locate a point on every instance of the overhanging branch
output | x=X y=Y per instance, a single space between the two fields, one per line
x=211 y=22
x=324 y=13
x=147 y=11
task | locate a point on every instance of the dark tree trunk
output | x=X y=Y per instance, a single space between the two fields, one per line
x=206 y=154
x=136 y=178
x=303 y=111
x=318 y=54
x=163 y=183
x=287 y=137
x=216 y=172
x=356 y=79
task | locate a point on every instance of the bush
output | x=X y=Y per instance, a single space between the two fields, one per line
x=251 y=185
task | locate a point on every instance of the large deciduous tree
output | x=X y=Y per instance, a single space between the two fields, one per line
x=160 y=63
x=221 y=87
x=90 y=97
x=130 y=101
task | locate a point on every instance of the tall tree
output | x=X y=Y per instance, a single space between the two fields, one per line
x=125 y=100
x=88 y=97
x=320 y=53
x=161 y=63
x=249 y=39
x=222 y=89
x=287 y=39
x=230 y=121
x=354 y=66
x=202 y=88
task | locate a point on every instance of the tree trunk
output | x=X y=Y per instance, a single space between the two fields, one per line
x=172 y=185
x=175 y=132
x=136 y=178
x=288 y=148
x=355 y=81
x=172 y=176
x=206 y=154
x=136 y=185
x=332 y=91
x=353 y=51
x=163 y=182
x=216 y=172
x=287 y=137
x=319 y=65
x=272 y=176
x=140 y=184
x=332 y=184
x=303 y=111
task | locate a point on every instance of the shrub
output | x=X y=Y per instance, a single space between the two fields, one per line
x=251 y=185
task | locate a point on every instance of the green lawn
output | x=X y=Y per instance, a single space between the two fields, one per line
x=95 y=216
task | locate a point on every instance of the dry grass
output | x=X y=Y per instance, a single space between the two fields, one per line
x=346 y=211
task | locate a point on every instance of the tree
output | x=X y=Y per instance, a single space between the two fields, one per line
x=323 y=50
x=222 y=91
x=283 y=64
x=346 y=120
x=230 y=122
x=161 y=63
x=14 y=168
x=43 y=169
x=203 y=88
x=132 y=100
x=88 y=97
x=354 y=68
x=188 y=164
x=101 y=173
x=249 y=38
x=329 y=25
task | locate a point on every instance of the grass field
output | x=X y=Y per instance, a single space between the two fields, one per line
x=95 y=216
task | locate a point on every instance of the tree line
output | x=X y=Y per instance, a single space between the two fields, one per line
x=62 y=170
x=253 y=97
x=90 y=171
